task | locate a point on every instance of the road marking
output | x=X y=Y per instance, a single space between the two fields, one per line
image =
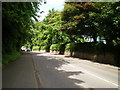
x=97 y=76
x=73 y=66
x=103 y=79
x=88 y=73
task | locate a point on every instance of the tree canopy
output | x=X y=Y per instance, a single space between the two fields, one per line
x=48 y=31
x=17 y=24
x=93 y=20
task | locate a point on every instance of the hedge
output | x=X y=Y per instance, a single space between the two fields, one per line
x=35 y=48
x=6 y=58
x=55 y=47
x=70 y=47
x=91 y=47
x=47 y=48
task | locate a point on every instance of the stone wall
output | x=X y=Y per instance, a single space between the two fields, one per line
x=55 y=52
x=102 y=58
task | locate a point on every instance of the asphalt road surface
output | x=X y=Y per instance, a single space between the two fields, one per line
x=59 y=71
x=45 y=70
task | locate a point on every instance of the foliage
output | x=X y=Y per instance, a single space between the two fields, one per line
x=6 y=58
x=79 y=21
x=92 y=20
x=43 y=48
x=35 y=48
x=55 y=47
x=48 y=31
x=109 y=21
x=70 y=47
x=17 y=24
x=47 y=48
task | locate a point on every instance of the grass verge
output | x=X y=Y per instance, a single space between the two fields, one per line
x=6 y=58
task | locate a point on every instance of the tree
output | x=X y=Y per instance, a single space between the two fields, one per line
x=109 y=21
x=48 y=31
x=92 y=20
x=78 y=19
x=17 y=24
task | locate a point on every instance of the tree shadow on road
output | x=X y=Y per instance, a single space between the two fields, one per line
x=36 y=52
x=49 y=68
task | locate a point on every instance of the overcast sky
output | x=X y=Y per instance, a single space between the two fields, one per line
x=56 y=4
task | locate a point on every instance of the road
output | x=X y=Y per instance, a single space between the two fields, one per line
x=59 y=71
x=45 y=70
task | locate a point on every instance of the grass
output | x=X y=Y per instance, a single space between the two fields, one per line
x=6 y=58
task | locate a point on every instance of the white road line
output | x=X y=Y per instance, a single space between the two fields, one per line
x=93 y=74
x=97 y=76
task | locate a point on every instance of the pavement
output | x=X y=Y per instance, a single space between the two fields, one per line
x=45 y=70
x=20 y=73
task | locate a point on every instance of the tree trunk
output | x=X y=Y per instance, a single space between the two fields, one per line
x=94 y=38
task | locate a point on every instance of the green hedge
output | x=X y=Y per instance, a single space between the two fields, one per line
x=88 y=47
x=43 y=48
x=70 y=47
x=47 y=48
x=58 y=47
x=35 y=48
x=55 y=47
x=91 y=47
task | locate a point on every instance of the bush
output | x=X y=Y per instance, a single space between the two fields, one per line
x=81 y=47
x=47 y=48
x=55 y=47
x=88 y=47
x=6 y=58
x=58 y=47
x=43 y=48
x=70 y=47
x=35 y=48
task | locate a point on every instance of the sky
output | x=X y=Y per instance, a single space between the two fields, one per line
x=56 y=4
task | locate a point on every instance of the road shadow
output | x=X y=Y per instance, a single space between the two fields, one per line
x=35 y=53
x=49 y=68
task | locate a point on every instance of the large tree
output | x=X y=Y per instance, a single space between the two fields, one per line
x=16 y=24
x=47 y=32
x=93 y=20
x=78 y=19
x=109 y=22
